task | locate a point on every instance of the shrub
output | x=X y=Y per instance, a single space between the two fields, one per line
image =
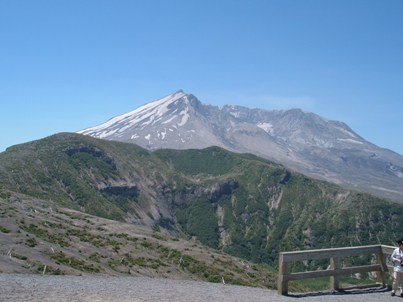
x=4 y=230
x=31 y=242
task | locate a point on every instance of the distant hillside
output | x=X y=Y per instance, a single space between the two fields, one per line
x=241 y=204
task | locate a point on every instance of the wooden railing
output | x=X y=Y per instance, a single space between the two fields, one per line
x=334 y=271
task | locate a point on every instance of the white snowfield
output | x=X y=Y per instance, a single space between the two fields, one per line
x=143 y=115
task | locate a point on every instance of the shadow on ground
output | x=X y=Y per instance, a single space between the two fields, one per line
x=352 y=291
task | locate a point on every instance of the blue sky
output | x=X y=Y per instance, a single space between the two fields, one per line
x=66 y=65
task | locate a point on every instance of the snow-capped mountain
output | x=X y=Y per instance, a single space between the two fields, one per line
x=175 y=121
x=302 y=141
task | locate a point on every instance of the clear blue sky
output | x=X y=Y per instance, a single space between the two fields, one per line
x=66 y=65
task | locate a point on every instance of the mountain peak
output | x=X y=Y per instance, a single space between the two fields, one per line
x=143 y=115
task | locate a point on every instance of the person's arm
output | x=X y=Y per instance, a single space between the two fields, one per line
x=395 y=256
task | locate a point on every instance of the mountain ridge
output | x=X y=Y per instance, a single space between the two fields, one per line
x=302 y=141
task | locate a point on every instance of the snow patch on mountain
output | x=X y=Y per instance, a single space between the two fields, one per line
x=162 y=134
x=267 y=127
x=346 y=132
x=349 y=140
x=169 y=120
x=185 y=117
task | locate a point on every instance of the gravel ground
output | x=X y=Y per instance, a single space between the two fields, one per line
x=32 y=288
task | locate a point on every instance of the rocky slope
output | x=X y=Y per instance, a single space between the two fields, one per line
x=42 y=238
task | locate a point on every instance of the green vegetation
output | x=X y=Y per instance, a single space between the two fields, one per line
x=235 y=203
x=18 y=256
x=267 y=209
x=4 y=230
x=198 y=219
x=210 y=161
x=4 y=195
x=61 y=258
x=31 y=242
x=44 y=234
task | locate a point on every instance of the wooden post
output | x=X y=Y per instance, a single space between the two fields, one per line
x=282 y=286
x=380 y=275
x=334 y=279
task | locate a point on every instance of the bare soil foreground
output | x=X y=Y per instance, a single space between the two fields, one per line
x=32 y=288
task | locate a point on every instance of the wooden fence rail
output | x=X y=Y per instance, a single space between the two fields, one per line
x=334 y=270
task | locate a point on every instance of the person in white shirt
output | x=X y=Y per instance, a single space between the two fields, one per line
x=397 y=259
